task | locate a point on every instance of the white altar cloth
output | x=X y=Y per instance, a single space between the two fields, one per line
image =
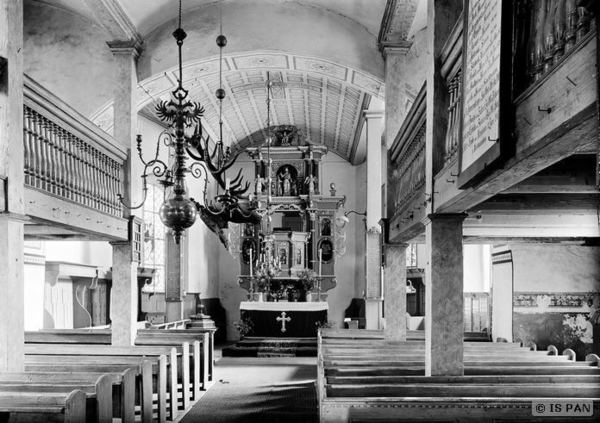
x=283 y=306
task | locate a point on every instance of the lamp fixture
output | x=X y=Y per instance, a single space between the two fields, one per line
x=268 y=265
x=178 y=212
x=343 y=220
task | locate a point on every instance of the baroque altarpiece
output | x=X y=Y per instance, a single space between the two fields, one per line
x=298 y=216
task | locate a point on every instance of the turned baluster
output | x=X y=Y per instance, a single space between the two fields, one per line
x=583 y=23
x=69 y=171
x=549 y=39
x=54 y=163
x=27 y=146
x=96 y=179
x=114 y=186
x=560 y=26
x=62 y=160
x=457 y=112
x=531 y=59
x=105 y=183
x=571 y=24
x=39 y=154
x=448 y=140
x=85 y=156
x=79 y=183
x=539 y=38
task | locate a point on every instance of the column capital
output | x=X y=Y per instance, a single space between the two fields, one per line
x=373 y=114
x=399 y=245
x=131 y=47
x=443 y=217
x=400 y=48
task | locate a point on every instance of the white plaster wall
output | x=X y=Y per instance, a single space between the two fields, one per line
x=476 y=265
x=34 y=279
x=96 y=253
x=556 y=268
x=68 y=55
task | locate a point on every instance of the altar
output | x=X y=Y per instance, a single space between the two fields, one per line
x=284 y=319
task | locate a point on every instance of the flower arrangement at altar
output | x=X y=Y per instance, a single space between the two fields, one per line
x=244 y=327
x=261 y=284
x=308 y=279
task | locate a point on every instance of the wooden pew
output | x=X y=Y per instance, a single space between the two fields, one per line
x=44 y=406
x=374 y=380
x=167 y=370
x=143 y=370
x=99 y=393
x=203 y=365
x=123 y=385
x=69 y=336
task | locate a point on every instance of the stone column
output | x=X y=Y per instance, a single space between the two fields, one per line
x=175 y=278
x=395 y=292
x=444 y=306
x=124 y=282
x=124 y=305
x=12 y=209
x=373 y=289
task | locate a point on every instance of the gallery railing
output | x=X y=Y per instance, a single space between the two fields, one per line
x=407 y=159
x=67 y=156
x=544 y=32
x=451 y=59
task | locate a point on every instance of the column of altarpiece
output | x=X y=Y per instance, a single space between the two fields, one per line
x=11 y=182
x=124 y=290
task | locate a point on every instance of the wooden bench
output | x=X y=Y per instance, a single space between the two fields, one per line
x=170 y=367
x=69 y=336
x=142 y=367
x=203 y=369
x=123 y=385
x=370 y=379
x=54 y=407
x=99 y=394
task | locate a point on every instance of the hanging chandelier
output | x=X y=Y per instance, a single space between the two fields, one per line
x=178 y=211
x=267 y=265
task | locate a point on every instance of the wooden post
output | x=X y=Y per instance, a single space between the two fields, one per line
x=444 y=301
x=11 y=182
x=124 y=291
x=395 y=292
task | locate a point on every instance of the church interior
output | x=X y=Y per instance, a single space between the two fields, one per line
x=406 y=191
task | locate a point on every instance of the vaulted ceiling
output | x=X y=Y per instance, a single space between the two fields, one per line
x=322 y=56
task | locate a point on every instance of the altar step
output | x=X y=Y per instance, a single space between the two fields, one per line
x=273 y=347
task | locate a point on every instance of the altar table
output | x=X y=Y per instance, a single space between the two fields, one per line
x=284 y=320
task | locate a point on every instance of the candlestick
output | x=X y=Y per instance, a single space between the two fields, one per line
x=250 y=262
x=320 y=259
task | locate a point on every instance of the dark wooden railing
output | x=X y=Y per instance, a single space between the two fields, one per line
x=545 y=31
x=451 y=58
x=407 y=155
x=68 y=156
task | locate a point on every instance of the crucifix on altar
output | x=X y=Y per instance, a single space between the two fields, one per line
x=283 y=319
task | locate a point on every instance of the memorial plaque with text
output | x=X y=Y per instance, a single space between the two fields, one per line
x=482 y=95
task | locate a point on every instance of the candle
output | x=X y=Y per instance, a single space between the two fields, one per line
x=227 y=182
x=251 y=262
x=320 y=260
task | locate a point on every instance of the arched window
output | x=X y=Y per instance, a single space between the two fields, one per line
x=154 y=239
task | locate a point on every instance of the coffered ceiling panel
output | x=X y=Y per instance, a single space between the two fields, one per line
x=322 y=99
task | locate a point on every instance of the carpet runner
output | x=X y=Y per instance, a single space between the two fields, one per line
x=273 y=347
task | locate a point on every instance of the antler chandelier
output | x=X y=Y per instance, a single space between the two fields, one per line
x=178 y=211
